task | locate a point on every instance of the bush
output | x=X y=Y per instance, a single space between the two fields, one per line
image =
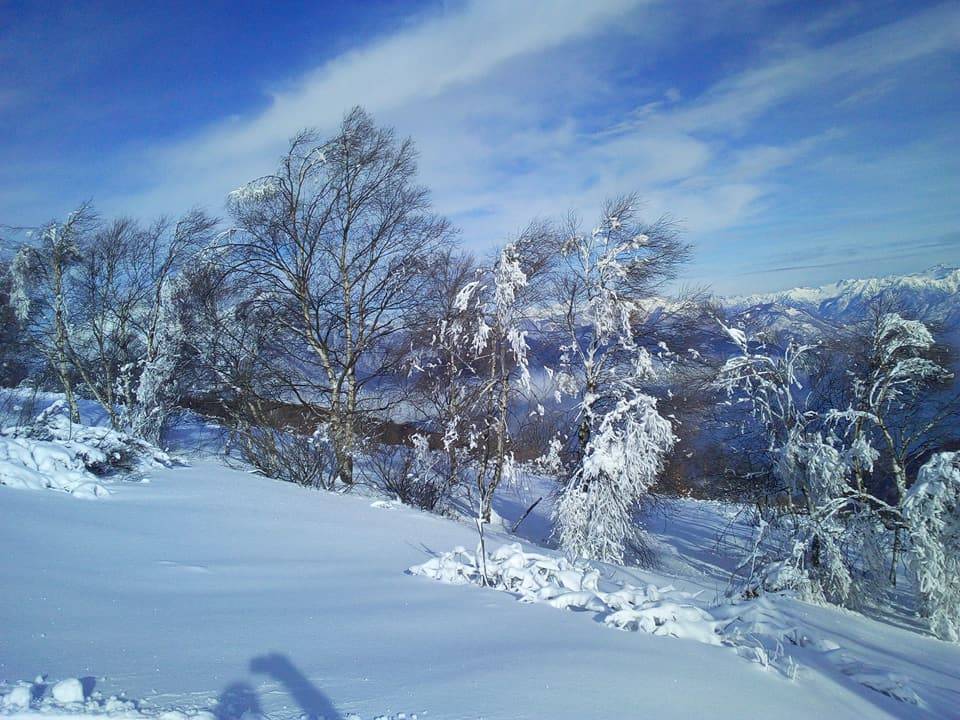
x=288 y=456
x=407 y=474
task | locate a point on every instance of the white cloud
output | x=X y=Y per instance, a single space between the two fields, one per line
x=414 y=66
x=509 y=104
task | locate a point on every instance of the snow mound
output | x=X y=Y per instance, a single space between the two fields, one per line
x=55 y=453
x=762 y=634
x=567 y=586
x=19 y=697
x=38 y=464
x=67 y=698
x=68 y=691
x=383 y=505
x=892 y=685
x=667 y=618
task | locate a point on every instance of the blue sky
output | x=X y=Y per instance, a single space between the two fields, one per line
x=797 y=143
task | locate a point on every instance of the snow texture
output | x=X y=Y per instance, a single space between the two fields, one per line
x=566 y=586
x=755 y=629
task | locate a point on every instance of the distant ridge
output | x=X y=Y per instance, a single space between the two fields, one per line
x=932 y=295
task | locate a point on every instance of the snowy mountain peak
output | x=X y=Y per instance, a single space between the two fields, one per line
x=939 y=278
x=931 y=294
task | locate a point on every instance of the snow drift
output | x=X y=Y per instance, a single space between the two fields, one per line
x=57 y=454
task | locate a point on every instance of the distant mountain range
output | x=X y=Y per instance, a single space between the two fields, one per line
x=932 y=296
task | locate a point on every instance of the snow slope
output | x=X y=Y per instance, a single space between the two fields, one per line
x=212 y=589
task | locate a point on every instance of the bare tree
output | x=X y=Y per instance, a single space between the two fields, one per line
x=94 y=297
x=99 y=340
x=233 y=369
x=338 y=241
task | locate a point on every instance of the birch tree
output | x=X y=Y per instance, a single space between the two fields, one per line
x=497 y=311
x=887 y=381
x=338 y=239
x=892 y=369
x=40 y=276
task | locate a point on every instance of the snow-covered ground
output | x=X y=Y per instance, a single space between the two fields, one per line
x=213 y=590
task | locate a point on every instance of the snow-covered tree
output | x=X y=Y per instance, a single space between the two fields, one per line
x=150 y=397
x=622 y=461
x=93 y=296
x=887 y=420
x=769 y=383
x=509 y=363
x=164 y=252
x=601 y=279
x=802 y=545
x=444 y=364
x=13 y=361
x=892 y=375
x=932 y=510
x=495 y=316
x=40 y=275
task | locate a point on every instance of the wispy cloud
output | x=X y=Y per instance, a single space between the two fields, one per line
x=414 y=66
x=535 y=108
x=735 y=101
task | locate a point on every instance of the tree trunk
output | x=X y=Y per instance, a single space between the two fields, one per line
x=895 y=556
x=503 y=402
x=60 y=342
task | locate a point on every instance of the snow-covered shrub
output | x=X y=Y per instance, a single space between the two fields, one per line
x=102 y=450
x=932 y=509
x=39 y=464
x=816 y=470
x=622 y=461
x=55 y=453
x=566 y=585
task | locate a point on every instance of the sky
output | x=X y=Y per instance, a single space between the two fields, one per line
x=794 y=143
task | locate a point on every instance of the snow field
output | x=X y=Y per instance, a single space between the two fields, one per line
x=212 y=590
